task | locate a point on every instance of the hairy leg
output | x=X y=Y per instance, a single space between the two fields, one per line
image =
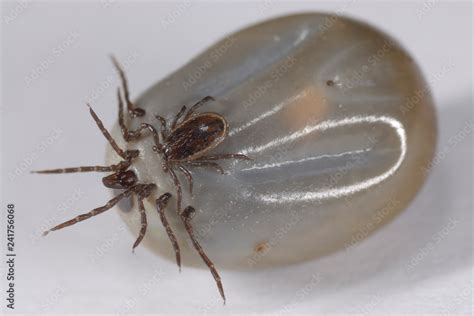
x=179 y=191
x=144 y=224
x=161 y=204
x=188 y=176
x=96 y=211
x=186 y=217
x=132 y=110
x=178 y=116
x=198 y=105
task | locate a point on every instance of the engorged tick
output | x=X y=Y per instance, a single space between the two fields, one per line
x=182 y=144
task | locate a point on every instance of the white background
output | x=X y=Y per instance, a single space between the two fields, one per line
x=54 y=58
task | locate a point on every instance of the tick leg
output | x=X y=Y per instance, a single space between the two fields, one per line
x=144 y=223
x=120 y=166
x=95 y=211
x=206 y=164
x=133 y=111
x=178 y=190
x=163 y=130
x=154 y=133
x=198 y=105
x=224 y=156
x=161 y=204
x=126 y=133
x=144 y=192
x=107 y=135
x=78 y=169
x=178 y=116
x=186 y=217
x=188 y=175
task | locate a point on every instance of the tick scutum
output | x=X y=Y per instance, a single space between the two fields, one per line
x=195 y=136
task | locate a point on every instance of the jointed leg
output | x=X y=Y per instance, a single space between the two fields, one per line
x=120 y=166
x=163 y=130
x=143 y=193
x=153 y=131
x=198 y=105
x=126 y=133
x=161 y=204
x=107 y=135
x=188 y=176
x=144 y=223
x=134 y=111
x=95 y=211
x=178 y=116
x=78 y=169
x=186 y=217
x=178 y=189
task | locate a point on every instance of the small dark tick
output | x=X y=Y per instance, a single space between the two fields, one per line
x=182 y=144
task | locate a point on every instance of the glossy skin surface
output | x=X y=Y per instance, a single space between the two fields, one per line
x=338 y=122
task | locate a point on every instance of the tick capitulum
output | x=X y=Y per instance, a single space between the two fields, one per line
x=181 y=144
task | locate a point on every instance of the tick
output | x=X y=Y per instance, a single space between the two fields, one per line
x=183 y=143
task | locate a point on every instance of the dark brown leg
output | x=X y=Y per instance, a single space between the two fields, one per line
x=206 y=164
x=107 y=135
x=152 y=130
x=161 y=204
x=224 y=156
x=163 y=130
x=78 y=169
x=188 y=176
x=120 y=166
x=126 y=133
x=178 y=116
x=143 y=194
x=186 y=217
x=133 y=111
x=95 y=211
x=144 y=223
x=198 y=105
x=178 y=189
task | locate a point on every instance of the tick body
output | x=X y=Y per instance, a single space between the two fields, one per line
x=331 y=152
